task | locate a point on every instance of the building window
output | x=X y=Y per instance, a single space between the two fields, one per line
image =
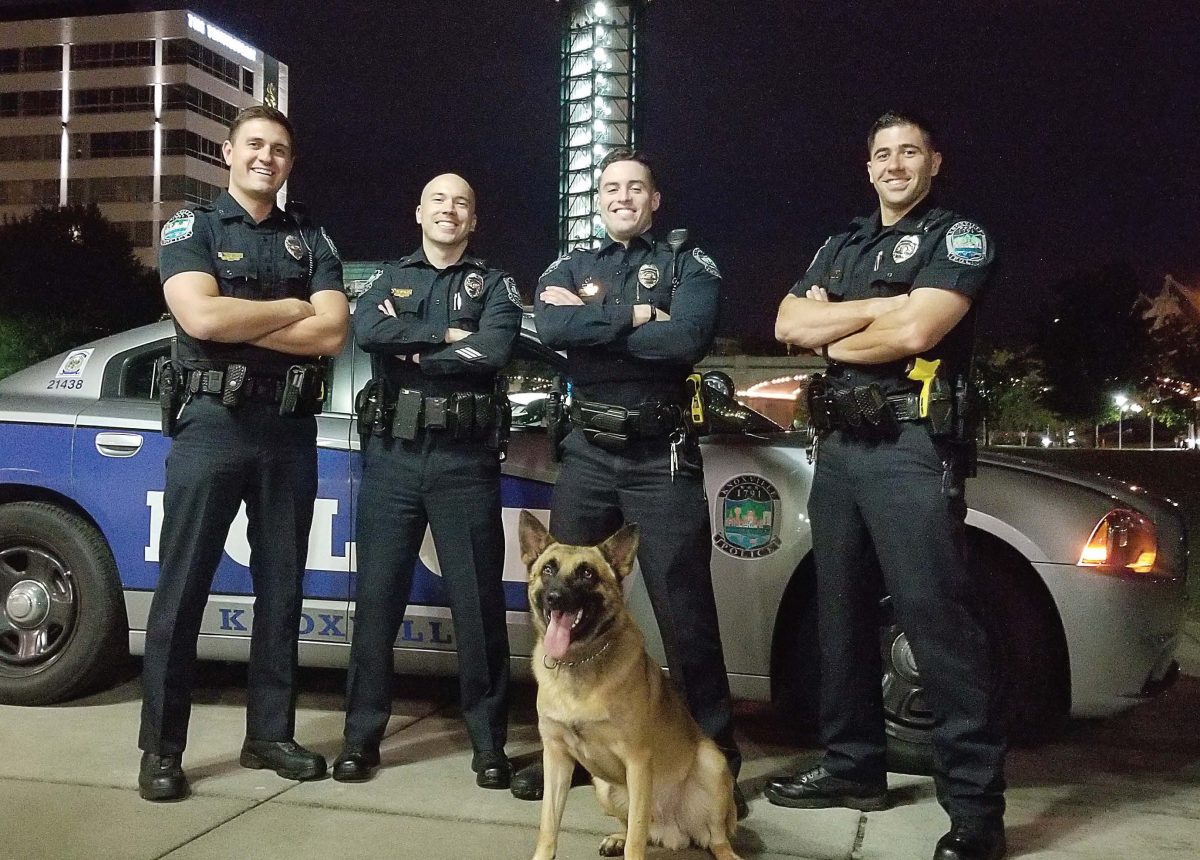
x=29 y=192
x=184 y=97
x=111 y=189
x=38 y=147
x=112 y=100
x=177 y=51
x=188 y=189
x=31 y=103
x=112 y=144
x=10 y=61
x=45 y=59
x=181 y=142
x=112 y=54
x=248 y=82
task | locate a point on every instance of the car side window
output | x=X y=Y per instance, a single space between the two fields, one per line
x=133 y=374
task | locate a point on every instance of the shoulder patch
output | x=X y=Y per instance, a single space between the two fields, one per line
x=707 y=262
x=375 y=276
x=180 y=227
x=556 y=264
x=329 y=242
x=966 y=243
x=510 y=287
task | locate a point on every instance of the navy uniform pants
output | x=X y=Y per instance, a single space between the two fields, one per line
x=454 y=488
x=887 y=507
x=219 y=458
x=597 y=491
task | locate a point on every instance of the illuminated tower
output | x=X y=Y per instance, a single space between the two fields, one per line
x=599 y=89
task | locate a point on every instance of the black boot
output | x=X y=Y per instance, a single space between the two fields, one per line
x=286 y=758
x=161 y=778
x=356 y=763
x=971 y=842
x=819 y=789
x=492 y=769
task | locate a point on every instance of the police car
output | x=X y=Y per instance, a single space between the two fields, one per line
x=1085 y=577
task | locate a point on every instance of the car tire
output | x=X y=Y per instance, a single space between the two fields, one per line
x=1028 y=647
x=62 y=619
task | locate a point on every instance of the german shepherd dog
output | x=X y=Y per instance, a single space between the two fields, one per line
x=604 y=703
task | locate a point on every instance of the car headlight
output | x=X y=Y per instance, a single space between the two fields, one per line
x=1123 y=541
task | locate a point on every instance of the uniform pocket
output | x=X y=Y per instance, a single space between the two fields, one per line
x=238 y=278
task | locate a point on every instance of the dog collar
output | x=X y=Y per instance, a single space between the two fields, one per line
x=551 y=663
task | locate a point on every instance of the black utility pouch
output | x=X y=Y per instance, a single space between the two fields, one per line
x=461 y=415
x=558 y=425
x=293 y=390
x=484 y=417
x=603 y=418
x=406 y=418
x=436 y=417
x=231 y=388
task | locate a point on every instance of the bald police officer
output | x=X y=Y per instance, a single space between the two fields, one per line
x=634 y=317
x=439 y=325
x=890 y=305
x=256 y=296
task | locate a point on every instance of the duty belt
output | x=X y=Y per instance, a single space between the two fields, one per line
x=861 y=409
x=464 y=415
x=614 y=427
x=257 y=388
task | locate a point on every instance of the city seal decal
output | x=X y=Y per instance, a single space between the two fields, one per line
x=179 y=227
x=707 y=262
x=473 y=284
x=966 y=243
x=905 y=248
x=648 y=276
x=748 y=510
x=73 y=364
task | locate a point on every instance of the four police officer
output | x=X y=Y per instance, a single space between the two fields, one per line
x=634 y=316
x=889 y=303
x=257 y=296
x=438 y=325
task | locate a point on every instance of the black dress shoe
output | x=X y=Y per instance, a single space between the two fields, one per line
x=527 y=782
x=286 y=758
x=160 y=778
x=492 y=769
x=355 y=763
x=971 y=843
x=819 y=789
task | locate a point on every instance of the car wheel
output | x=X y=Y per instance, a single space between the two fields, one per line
x=62 y=619
x=1028 y=649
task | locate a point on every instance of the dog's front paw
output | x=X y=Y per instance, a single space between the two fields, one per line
x=613 y=845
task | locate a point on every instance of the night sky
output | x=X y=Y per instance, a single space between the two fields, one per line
x=1063 y=124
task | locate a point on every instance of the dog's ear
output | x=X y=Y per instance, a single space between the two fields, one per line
x=621 y=549
x=534 y=538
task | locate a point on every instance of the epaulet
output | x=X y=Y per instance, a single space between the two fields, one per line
x=477 y=262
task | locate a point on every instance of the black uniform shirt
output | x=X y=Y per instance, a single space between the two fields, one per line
x=608 y=360
x=928 y=247
x=274 y=259
x=467 y=295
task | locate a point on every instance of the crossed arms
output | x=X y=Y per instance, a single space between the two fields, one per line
x=293 y=326
x=870 y=331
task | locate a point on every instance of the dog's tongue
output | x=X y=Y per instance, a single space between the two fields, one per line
x=558 y=634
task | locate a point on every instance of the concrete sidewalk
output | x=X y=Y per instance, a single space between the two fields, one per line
x=1128 y=787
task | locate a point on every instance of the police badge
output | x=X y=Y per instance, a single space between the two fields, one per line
x=473 y=284
x=905 y=248
x=648 y=276
x=293 y=246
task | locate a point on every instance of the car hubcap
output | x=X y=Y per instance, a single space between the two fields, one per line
x=39 y=614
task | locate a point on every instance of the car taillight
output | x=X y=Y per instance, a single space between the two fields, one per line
x=1122 y=541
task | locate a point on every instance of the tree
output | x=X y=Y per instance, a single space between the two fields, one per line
x=1012 y=393
x=68 y=275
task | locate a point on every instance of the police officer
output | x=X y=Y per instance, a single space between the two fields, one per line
x=634 y=316
x=439 y=324
x=888 y=303
x=256 y=296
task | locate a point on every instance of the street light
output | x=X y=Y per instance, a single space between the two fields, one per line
x=1120 y=400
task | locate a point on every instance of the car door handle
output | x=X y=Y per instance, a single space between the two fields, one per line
x=118 y=444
